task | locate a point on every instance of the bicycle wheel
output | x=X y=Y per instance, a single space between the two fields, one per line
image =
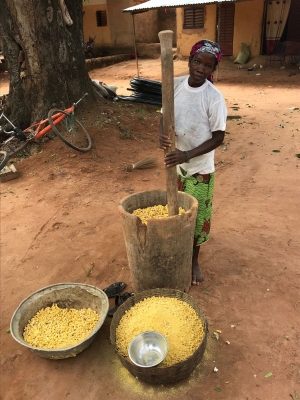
x=4 y=157
x=71 y=131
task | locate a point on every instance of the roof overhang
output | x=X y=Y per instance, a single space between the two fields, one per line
x=154 y=4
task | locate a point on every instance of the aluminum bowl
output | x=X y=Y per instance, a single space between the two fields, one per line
x=148 y=349
x=65 y=295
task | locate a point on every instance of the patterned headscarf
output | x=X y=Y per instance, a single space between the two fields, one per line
x=207 y=46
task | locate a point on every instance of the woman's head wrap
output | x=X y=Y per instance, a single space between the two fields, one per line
x=207 y=46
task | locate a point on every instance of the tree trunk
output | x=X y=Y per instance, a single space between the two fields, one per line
x=45 y=57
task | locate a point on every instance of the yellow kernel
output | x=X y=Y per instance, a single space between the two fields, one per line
x=54 y=327
x=177 y=321
x=158 y=211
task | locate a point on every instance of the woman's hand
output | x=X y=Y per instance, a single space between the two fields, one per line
x=175 y=157
x=164 y=141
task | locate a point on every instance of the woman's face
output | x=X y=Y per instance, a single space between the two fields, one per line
x=201 y=66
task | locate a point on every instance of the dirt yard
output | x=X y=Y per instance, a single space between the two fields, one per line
x=61 y=216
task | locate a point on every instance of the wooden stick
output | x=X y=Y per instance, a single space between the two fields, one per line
x=167 y=72
x=134 y=41
x=216 y=77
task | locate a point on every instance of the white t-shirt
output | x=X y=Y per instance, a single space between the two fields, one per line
x=198 y=112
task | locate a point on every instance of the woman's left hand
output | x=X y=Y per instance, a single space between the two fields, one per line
x=175 y=157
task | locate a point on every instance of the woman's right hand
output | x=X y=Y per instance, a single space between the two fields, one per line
x=164 y=140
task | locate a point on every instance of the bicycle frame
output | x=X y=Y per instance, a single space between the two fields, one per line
x=5 y=117
x=15 y=132
x=57 y=118
x=38 y=128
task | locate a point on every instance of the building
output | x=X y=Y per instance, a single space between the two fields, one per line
x=119 y=24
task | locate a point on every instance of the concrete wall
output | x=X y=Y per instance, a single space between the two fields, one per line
x=247 y=27
x=102 y=62
x=146 y=27
x=248 y=22
x=167 y=21
x=121 y=28
x=186 y=38
x=117 y=36
x=148 y=24
x=90 y=27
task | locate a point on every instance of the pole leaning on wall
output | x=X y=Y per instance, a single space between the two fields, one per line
x=135 y=50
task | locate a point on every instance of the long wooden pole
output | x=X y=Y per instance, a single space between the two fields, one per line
x=134 y=42
x=218 y=38
x=167 y=72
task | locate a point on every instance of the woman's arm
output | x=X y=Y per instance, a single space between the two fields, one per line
x=179 y=157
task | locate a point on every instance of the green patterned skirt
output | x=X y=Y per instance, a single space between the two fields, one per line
x=202 y=188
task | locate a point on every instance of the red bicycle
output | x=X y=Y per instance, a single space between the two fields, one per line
x=62 y=122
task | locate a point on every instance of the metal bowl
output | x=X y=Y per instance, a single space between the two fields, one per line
x=65 y=295
x=148 y=349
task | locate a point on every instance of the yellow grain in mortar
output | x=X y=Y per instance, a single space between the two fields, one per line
x=153 y=212
x=55 y=328
x=173 y=318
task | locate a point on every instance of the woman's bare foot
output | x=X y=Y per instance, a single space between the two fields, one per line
x=197 y=276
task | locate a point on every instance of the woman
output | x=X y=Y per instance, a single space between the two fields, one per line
x=200 y=123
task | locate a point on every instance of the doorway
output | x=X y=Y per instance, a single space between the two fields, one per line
x=225 y=27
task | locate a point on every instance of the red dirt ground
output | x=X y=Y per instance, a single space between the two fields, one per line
x=61 y=215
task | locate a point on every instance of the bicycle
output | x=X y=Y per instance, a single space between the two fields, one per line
x=63 y=124
x=88 y=47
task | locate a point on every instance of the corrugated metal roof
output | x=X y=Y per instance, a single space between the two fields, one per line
x=153 y=4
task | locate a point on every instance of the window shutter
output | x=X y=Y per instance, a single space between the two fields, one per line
x=193 y=18
x=101 y=18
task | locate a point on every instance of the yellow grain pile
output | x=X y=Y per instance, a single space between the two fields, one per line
x=173 y=318
x=153 y=212
x=55 y=328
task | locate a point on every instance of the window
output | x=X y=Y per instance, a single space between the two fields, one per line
x=101 y=18
x=193 y=18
